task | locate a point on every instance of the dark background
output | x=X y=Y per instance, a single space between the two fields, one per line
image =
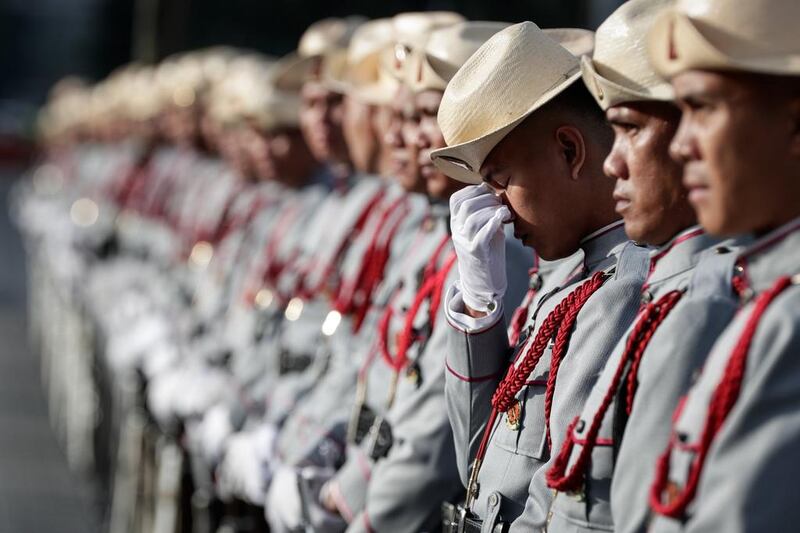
x=43 y=40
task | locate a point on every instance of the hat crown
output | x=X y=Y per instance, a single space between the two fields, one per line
x=413 y=28
x=327 y=34
x=747 y=29
x=452 y=46
x=620 y=53
x=507 y=75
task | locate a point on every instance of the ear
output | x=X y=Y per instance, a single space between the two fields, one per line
x=573 y=148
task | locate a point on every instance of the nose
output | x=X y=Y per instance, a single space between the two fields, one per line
x=392 y=136
x=614 y=165
x=681 y=147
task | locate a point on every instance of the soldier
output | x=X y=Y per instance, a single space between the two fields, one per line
x=302 y=440
x=517 y=91
x=729 y=463
x=686 y=298
x=388 y=479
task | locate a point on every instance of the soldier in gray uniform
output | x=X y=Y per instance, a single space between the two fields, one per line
x=730 y=463
x=686 y=299
x=560 y=203
x=405 y=454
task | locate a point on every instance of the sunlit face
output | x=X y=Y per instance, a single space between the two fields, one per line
x=424 y=137
x=528 y=171
x=321 y=116
x=649 y=193
x=363 y=142
x=232 y=146
x=738 y=142
x=405 y=167
x=210 y=130
x=381 y=123
x=180 y=125
x=274 y=155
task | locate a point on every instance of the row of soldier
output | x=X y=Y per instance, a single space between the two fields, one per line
x=320 y=272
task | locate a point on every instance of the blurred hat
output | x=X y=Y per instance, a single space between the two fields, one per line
x=578 y=41
x=411 y=32
x=619 y=71
x=513 y=74
x=249 y=94
x=325 y=40
x=445 y=52
x=758 y=36
x=363 y=74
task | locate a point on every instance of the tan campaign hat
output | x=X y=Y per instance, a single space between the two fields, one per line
x=577 y=40
x=363 y=74
x=411 y=32
x=448 y=49
x=325 y=40
x=619 y=71
x=513 y=74
x=445 y=52
x=758 y=36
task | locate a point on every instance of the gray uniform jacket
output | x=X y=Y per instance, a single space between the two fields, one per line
x=670 y=357
x=748 y=479
x=321 y=415
x=478 y=360
x=676 y=352
x=405 y=489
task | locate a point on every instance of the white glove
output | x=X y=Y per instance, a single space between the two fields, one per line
x=242 y=473
x=284 y=509
x=214 y=431
x=476 y=220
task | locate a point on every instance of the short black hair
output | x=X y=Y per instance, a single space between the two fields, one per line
x=576 y=100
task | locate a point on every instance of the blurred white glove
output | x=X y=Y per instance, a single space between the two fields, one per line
x=283 y=506
x=241 y=472
x=214 y=431
x=476 y=220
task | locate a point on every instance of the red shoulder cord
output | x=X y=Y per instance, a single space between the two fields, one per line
x=560 y=323
x=520 y=316
x=722 y=401
x=431 y=288
x=229 y=220
x=650 y=318
x=273 y=266
x=371 y=269
x=306 y=292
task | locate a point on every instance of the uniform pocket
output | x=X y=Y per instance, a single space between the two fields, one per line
x=529 y=439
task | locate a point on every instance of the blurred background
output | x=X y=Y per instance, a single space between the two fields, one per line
x=42 y=41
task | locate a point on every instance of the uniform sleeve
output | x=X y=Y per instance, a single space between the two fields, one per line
x=750 y=476
x=474 y=364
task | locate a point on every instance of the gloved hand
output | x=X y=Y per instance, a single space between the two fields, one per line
x=242 y=472
x=214 y=431
x=284 y=508
x=476 y=220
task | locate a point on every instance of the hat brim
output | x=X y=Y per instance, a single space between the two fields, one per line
x=292 y=70
x=676 y=43
x=463 y=161
x=608 y=93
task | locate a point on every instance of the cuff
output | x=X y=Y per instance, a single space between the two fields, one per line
x=455 y=310
x=351 y=481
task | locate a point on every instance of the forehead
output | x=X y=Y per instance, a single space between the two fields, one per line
x=717 y=85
